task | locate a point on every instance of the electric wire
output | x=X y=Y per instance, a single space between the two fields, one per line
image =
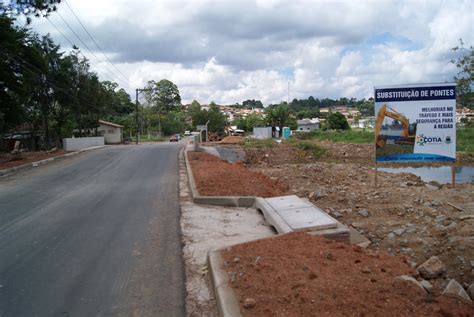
x=93 y=40
x=60 y=32
x=34 y=70
x=90 y=51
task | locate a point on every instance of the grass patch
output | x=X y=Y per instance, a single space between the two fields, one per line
x=465 y=140
x=349 y=136
x=259 y=144
x=316 y=150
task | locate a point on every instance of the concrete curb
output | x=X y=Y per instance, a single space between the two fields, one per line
x=227 y=201
x=226 y=302
x=9 y=171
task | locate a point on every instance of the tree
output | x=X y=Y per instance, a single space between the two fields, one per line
x=250 y=104
x=249 y=122
x=278 y=116
x=337 y=121
x=49 y=91
x=37 y=8
x=163 y=95
x=12 y=51
x=365 y=107
x=217 y=120
x=464 y=61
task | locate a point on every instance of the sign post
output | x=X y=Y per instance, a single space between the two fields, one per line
x=415 y=123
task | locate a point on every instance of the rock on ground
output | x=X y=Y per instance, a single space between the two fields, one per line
x=410 y=279
x=470 y=291
x=454 y=288
x=431 y=268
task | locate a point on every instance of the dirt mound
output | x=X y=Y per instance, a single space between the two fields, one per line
x=215 y=177
x=302 y=275
x=232 y=140
x=8 y=160
x=403 y=215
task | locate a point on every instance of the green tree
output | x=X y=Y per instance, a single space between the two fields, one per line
x=49 y=90
x=217 y=120
x=337 y=121
x=37 y=8
x=278 y=116
x=464 y=61
x=12 y=53
x=365 y=107
x=250 y=104
x=163 y=95
x=249 y=122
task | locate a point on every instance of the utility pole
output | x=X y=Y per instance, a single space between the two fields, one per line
x=137 y=91
x=138 y=124
x=288 y=93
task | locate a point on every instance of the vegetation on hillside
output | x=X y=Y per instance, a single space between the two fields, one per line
x=50 y=92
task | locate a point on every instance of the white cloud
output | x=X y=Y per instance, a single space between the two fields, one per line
x=229 y=51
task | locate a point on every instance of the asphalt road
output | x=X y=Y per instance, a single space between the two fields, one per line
x=94 y=235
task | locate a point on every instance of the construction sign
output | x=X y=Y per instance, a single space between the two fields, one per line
x=415 y=123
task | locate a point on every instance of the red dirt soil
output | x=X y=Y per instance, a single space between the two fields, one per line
x=302 y=275
x=10 y=160
x=215 y=177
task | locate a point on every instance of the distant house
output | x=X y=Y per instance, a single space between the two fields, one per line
x=111 y=132
x=366 y=123
x=307 y=125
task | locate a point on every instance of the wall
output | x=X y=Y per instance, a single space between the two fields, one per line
x=111 y=134
x=116 y=137
x=308 y=127
x=74 y=144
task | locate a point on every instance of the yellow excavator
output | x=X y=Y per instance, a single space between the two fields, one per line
x=408 y=133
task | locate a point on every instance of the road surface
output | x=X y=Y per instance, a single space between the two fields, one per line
x=93 y=235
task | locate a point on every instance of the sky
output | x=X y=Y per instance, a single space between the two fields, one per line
x=230 y=51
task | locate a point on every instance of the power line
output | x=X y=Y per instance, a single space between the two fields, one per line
x=34 y=70
x=87 y=47
x=92 y=38
x=60 y=32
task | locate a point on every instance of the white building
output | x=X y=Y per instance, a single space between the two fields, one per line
x=307 y=125
x=111 y=132
x=366 y=123
x=262 y=133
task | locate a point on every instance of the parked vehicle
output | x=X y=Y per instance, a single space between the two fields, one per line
x=187 y=133
x=175 y=138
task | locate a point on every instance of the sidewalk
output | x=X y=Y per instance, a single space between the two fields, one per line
x=207 y=228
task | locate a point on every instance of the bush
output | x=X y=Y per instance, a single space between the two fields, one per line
x=337 y=121
x=316 y=150
x=349 y=136
x=464 y=140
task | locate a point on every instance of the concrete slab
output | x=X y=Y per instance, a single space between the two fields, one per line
x=316 y=222
x=287 y=202
x=307 y=218
x=272 y=218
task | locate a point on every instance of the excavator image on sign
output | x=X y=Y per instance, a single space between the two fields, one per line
x=407 y=135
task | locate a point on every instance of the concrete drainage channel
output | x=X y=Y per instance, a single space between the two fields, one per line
x=285 y=214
